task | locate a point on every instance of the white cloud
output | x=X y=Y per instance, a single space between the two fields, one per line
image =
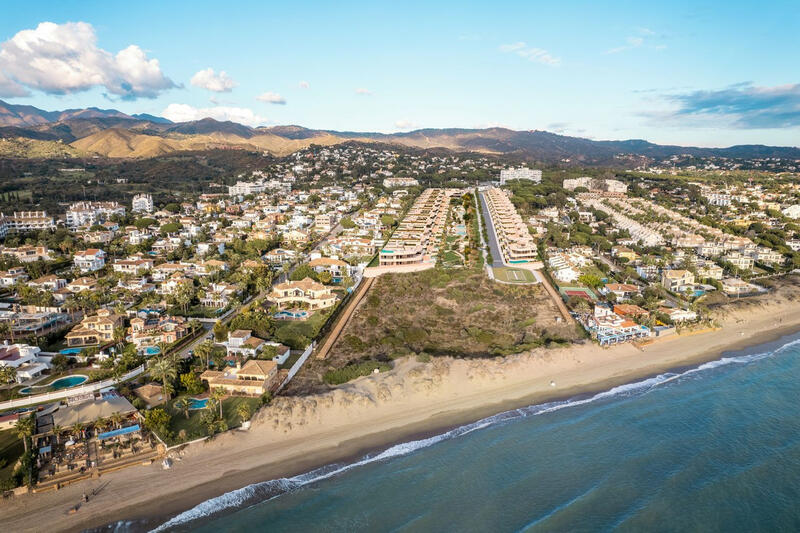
x=64 y=59
x=636 y=41
x=271 y=98
x=303 y=85
x=185 y=113
x=363 y=91
x=537 y=55
x=210 y=80
x=405 y=124
x=9 y=87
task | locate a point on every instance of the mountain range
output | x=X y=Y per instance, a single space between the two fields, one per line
x=27 y=131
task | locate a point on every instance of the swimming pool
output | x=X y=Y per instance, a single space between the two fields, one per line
x=59 y=384
x=152 y=350
x=197 y=403
x=291 y=314
x=71 y=351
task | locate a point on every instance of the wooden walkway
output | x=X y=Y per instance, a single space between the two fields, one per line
x=344 y=317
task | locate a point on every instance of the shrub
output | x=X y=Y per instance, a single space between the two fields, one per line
x=353 y=371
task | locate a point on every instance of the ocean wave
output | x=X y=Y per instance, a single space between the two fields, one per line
x=265 y=490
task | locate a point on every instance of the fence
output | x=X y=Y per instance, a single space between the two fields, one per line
x=297 y=364
x=67 y=393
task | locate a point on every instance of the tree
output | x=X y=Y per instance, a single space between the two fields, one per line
x=164 y=370
x=183 y=405
x=590 y=280
x=191 y=383
x=217 y=395
x=59 y=362
x=220 y=331
x=184 y=295
x=203 y=351
x=243 y=411
x=325 y=277
x=157 y=420
x=303 y=271
x=25 y=427
x=347 y=223
x=8 y=374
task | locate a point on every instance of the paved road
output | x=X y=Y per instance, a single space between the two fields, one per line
x=494 y=247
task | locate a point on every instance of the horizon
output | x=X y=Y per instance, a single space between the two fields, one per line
x=328 y=130
x=619 y=72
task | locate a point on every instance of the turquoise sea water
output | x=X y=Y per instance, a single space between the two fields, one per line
x=713 y=448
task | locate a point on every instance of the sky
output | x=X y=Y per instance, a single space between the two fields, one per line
x=713 y=73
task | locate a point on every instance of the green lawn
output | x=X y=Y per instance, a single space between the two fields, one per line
x=194 y=426
x=11 y=448
x=514 y=275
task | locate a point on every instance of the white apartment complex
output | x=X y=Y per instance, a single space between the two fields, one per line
x=516 y=243
x=142 y=203
x=417 y=238
x=22 y=221
x=522 y=173
x=90 y=213
x=391 y=183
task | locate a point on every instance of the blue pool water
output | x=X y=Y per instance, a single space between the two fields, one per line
x=152 y=350
x=59 y=384
x=291 y=314
x=71 y=351
x=198 y=403
x=710 y=448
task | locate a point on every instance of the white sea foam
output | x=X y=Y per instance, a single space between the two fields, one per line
x=275 y=487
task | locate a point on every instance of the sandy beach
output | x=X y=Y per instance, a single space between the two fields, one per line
x=295 y=435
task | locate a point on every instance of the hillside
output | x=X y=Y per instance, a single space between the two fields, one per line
x=111 y=133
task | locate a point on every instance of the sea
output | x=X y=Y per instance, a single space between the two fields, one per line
x=709 y=448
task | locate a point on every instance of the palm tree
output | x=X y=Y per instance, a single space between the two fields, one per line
x=217 y=395
x=77 y=428
x=244 y=412
x=183 y=405
x=25 y=428
x=116 y=419
x=57 y=431
x=204 y=350
x=119 y=336
x=163 y=347
x=164 y=371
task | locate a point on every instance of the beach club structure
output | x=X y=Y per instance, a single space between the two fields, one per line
x=419 y=235
x=516 y=243
x=89 y=436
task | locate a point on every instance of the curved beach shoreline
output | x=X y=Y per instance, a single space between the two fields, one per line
x=296 y=435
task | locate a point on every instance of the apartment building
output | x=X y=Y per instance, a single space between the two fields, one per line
x=418 y=236
x=142 y=203
x=22 y=221
x=516 y=243
x=530 y=174
x=91 y=213
x=391 y=183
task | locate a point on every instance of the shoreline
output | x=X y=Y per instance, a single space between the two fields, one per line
x=432 y=407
